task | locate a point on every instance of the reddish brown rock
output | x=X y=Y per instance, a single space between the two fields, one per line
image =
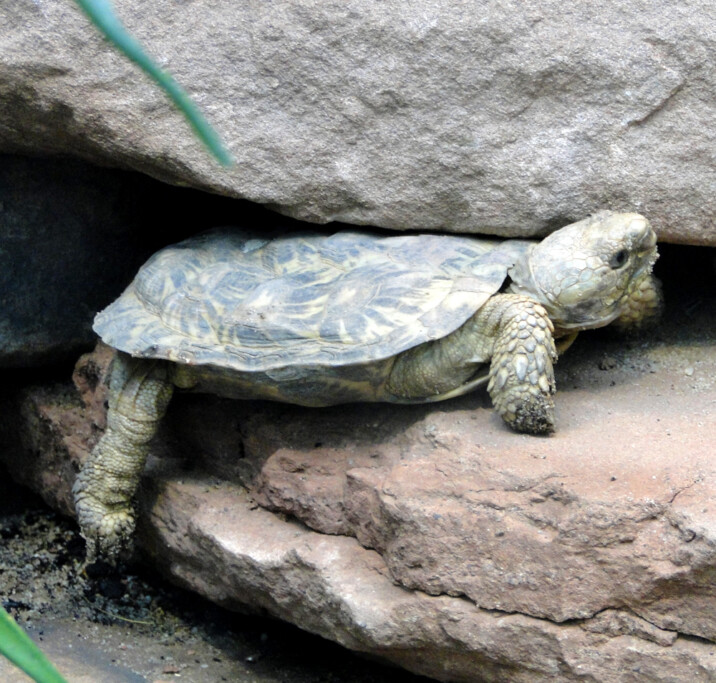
x=433 y=537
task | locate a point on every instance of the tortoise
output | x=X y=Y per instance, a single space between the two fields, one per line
x=322 y=319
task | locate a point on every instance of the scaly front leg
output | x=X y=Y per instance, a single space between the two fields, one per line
x=642 y=305
x=103 y=491
x=521 y=373
x=512 y=330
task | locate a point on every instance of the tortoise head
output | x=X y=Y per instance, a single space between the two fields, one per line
x=586 y=274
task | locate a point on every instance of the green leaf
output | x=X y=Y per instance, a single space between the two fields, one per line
x=17 y=646
x=103 y=16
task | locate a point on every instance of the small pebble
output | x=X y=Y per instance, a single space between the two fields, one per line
x=607 y=363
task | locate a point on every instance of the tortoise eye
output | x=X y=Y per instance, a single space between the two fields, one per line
x=618 y=259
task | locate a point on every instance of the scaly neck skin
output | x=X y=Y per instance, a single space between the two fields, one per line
x=523 y=283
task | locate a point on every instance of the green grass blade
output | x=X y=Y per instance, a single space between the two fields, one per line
x=17 y=646
x=102 y=15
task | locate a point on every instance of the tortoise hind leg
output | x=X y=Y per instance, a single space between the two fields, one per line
x=139 y=394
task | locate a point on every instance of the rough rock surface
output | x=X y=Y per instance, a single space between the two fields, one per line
x=433 y=537
x=514 y=118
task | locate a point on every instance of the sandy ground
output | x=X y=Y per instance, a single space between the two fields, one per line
x=136 y=628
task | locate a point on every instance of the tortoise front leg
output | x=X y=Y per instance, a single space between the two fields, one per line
x=521 y=372
x=103 y=491
x=517 y=334
x=642 y=305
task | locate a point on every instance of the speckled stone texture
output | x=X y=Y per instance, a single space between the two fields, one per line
x=512 y=118
x=432 y=536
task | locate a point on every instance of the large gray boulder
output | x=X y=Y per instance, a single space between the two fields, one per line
x=510 y=118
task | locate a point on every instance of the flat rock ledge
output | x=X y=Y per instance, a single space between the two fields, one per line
x=511 y=118
x=431 y=536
